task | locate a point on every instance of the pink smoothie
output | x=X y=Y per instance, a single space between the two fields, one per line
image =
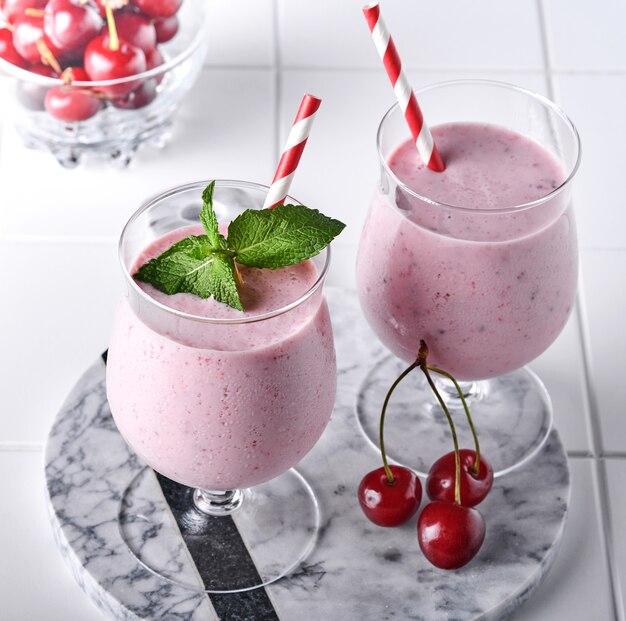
x=489 y=290
x=224 y=406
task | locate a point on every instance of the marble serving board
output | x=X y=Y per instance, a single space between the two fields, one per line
x=357 y=571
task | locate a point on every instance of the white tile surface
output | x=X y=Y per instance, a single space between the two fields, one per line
x=561 y=368
x=616 y=474
x=596 y=105
x=241 y=33
x=604 y=280
x=53 y=325
x=428 y=34
x=577 y=587
x=583 y=37
x=36 y=584
x=98 y=199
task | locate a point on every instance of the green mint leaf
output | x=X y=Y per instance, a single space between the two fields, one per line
x=209 y=220
x=192 y=265
x=221 y=281
x=285 y=235
x=204 y=265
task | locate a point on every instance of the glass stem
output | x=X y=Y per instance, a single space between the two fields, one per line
x=217 y=503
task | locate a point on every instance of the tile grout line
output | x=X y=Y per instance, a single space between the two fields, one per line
x=593 y=418
x=578 y=454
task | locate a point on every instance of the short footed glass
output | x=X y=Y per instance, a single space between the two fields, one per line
x=222 y=405
x=488 y=289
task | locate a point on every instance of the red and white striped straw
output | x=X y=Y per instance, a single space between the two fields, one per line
x=404 y=93
x=292 y=151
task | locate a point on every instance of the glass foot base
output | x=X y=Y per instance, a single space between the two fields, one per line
x=71 y=149
x=272 y=530
x=512 y=415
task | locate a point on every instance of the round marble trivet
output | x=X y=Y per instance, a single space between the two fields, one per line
x=357 y=571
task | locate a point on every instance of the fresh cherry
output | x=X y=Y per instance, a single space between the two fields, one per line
x=390 y=503
x=27 y=30
x=71 y=24
x=166 y=28
x=30 y=94
x=137 y=30
x=28 y=35
x=139 y=98
x=155 y=59
x=8 y=51
x=474 y=487
x=104 y=62
x=12 y=9
x=450 y=535
x=72 y=104
x=158 y=8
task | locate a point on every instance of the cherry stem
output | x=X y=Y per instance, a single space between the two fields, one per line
x=476 y=466
x=47 y=57
x=114 y=41
x=422 y=356
x=31 y=12
x=402 y=375
x=68 y=76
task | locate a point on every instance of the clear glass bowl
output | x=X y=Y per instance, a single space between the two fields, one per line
x=113 y=133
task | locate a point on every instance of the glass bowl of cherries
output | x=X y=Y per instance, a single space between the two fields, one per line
x=99 y=77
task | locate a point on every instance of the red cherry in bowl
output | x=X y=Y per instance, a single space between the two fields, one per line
x=27 y=30
x=155 y=59
x=71 y=104
x=450 y=535
x=71 y=24
x=166 y=28
x=158 y=8
x=104 y=63
x=12 y=9
x=474 y=487
x=137 y=30
x=390 y=504
x=8 y=51
x=139 y=98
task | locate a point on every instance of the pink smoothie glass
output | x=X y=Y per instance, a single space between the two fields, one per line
x=488 y=281
x=221 y=401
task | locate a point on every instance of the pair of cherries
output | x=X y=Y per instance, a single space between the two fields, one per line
x=450 y=530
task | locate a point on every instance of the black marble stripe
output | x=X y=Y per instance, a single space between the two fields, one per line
x=218 y=550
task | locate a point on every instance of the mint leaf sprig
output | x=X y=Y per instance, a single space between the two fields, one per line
x=268 y=238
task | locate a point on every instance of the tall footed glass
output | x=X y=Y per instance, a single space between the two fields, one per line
x=487 y=278
x=221 y=401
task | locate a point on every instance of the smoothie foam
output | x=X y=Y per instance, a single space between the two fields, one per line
x=488 y=290
x=225 y=406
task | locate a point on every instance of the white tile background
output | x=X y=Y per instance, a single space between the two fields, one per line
x=58 y=233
